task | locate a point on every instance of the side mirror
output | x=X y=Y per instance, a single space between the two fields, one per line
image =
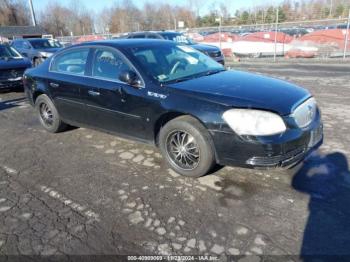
x=131 y=78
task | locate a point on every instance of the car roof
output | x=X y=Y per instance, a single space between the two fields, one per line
x=125 y=43
x=28 y=39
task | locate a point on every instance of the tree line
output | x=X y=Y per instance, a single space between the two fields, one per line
x=124 y=16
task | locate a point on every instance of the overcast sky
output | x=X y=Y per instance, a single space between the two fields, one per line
x=97 y=5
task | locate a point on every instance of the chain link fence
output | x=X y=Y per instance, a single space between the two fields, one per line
x=316 y=39
x=320 y=40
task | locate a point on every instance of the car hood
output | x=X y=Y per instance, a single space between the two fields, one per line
x=15 y=63
x=245 y=90
x=205 y=48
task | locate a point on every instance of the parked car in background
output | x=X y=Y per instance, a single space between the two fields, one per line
x=36 y=49
x=12 y=67
x=175 y=97
x=210 y=50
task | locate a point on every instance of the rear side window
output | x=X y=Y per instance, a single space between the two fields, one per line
x=138 y=36
x=108 y=64
x=152 y=36
x=71 y=62
x=18 y=44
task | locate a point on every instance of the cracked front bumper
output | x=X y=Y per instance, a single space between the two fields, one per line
x=284 y=151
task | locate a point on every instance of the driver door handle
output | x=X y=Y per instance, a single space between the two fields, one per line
x=122 y=93
x=93 y=93
x=55 y=85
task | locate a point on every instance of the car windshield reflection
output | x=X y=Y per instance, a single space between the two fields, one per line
x=174 y=63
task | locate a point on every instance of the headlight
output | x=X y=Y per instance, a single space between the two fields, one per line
x=45 y=54
x=254 y=122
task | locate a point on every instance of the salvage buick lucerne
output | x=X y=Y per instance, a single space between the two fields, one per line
x=177 y=98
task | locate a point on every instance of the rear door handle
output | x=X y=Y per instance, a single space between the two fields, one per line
x=93 y=93
x=54 y=85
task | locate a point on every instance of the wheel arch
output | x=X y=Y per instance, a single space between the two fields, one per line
x=36 y=94
x=168 y=116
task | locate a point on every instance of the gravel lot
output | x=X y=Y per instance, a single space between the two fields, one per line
x=86 y=192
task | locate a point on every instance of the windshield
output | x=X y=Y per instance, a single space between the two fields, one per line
x=8 y=52
x=45 y=43
x=179 y=38
x=174 y=63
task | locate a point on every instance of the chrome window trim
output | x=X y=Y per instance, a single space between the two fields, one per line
x=143 y=85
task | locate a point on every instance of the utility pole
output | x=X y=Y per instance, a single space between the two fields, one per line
x=276 y=27
x=331 y=9
x=346 y=36
x=220 y=23
x=32 y=12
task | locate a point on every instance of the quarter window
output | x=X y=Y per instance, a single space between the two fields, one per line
x=72 y=62
x=108 y=64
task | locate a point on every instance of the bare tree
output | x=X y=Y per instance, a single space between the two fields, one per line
x=14 y=12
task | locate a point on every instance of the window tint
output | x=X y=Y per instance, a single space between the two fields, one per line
x=153 y=36
x=138 y=36
x=72 y=62
x=108 y=64
x=18 y=44
x=26 y=45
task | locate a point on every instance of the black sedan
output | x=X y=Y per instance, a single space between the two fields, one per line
x=12 y=66
x=178 y=99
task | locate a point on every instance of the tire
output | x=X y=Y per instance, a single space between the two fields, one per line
x=185 y=140
x=48 y=115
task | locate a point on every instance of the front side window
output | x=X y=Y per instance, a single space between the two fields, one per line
x=108 y=64
x=71 y=61
x=18 y=44
x=167 y=63
x=8 y=52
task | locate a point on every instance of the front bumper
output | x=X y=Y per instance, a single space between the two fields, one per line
x=285 y=151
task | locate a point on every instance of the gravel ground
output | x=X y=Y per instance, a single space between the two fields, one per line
x=85 y=192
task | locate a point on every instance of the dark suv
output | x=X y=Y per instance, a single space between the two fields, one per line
x=36 y=49
x=210 y=50
x=12 y=67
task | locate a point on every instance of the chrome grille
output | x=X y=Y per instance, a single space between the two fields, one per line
x=11 y=73
x=305 y=113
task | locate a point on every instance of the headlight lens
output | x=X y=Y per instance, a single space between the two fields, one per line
x=254 y=122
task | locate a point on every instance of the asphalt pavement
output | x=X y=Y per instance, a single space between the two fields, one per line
x=83 y=192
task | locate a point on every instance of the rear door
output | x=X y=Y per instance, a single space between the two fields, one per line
x=66 y=78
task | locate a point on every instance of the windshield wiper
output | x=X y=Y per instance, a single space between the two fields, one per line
x=212 y=72
x=181 y=79
x=206 y=73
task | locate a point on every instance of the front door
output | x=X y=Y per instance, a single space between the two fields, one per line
x=111 y=104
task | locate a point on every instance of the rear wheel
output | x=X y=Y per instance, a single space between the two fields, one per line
x=48 y=115
x=186 y=145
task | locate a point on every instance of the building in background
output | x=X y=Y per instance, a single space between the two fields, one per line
x=13 y=32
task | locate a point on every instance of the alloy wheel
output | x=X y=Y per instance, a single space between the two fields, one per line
x=183 y=150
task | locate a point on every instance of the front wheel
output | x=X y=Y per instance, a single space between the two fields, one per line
x=186 y=145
